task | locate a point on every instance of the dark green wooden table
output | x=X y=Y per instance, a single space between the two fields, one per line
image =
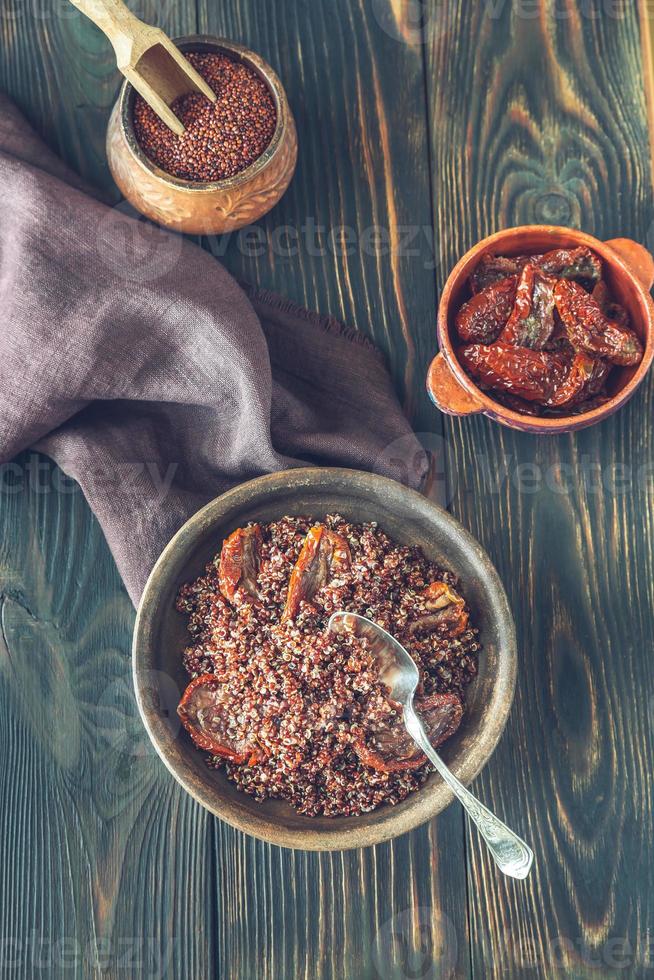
x=435 y=123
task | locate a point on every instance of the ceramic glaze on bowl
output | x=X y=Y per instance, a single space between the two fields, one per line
x=160 y=637
x=629 y=274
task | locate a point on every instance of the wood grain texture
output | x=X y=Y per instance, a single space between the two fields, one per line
x=97 y=840
x=139 y=871
x=556 y=132
x=99 y=848
x=106 y=867
x=353 y=234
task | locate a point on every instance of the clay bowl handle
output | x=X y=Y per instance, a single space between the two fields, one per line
x=637 y=258
x=447 y=393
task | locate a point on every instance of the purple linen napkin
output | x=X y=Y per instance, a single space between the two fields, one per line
x=135 y=361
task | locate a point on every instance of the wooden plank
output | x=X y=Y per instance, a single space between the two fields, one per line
x=357 y=93
x=105 y=863
x=646 y=17
x=540 y=117
x=361 y=170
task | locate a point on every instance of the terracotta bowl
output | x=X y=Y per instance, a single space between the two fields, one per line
x=160 y=637
x=204 y=207
x=629 y=273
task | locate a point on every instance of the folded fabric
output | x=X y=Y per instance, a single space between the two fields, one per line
x=133 y=359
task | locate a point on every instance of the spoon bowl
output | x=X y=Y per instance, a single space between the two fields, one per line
x=397 y=668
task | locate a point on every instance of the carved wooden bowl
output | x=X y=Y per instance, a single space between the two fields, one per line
x=629 y=273
x=204 y=207
x=160 y=637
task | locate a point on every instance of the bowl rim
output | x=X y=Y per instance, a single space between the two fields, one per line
x=240 y=53
x=426 y=805
x=507 y=416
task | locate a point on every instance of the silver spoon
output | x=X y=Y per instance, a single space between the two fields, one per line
x=398 y=672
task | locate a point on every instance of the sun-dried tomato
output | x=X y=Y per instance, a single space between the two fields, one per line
x=385 y=744
x=578 y=408
x=480 y=320
x=444 y=611
x=325 y=556
x=561 y=263
x=572 y=263
x=589 y=330
x=585 y=378
x=531 y=322
x=529 y=374
x=518 y=404
x=612 y=311
x=492 y=268
x=239 y=564
x=203 y=715
x=558 y=341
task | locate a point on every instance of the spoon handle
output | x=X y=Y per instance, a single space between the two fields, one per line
x=509 y=852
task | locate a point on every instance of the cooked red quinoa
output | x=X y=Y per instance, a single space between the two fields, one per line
x=299 y=692
x=221 y=138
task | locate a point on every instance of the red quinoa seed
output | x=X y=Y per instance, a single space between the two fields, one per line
x=221 y=138
x=302 y=691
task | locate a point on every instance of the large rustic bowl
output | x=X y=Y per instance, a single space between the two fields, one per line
x=629 y=273
x=160 y=637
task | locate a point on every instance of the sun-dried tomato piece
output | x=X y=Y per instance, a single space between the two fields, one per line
x=558 y=341
x=572 y=263
x=612 y=311
x=578 y=408
x=518 y=404
x=444 y=611
x=492 y=268
x=325 y=556
x=589 y=330
x=561 y=263
x=385 y=744
x=585 y=378
x=205 y=717
x=531 y=322
x=239 y=563
x=529 y=374
x=480 y=320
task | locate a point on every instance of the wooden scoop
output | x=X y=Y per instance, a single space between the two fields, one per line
x=147 y=58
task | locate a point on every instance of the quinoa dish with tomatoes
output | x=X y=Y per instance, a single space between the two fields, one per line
x=296 y=712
